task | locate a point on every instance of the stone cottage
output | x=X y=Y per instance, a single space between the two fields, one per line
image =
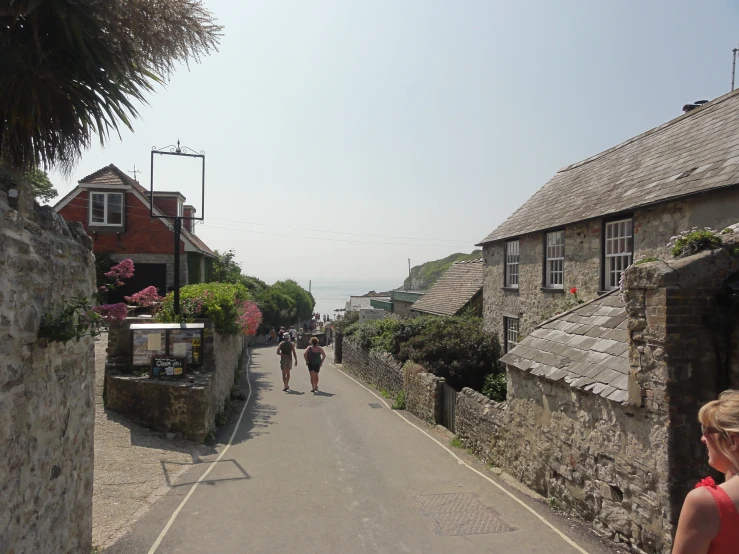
x=595 y=217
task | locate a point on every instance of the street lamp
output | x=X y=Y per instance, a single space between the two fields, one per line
x=178 y=150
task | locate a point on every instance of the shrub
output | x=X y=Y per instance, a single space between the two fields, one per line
x=455 y=348
x=225 y=304
x=399 y=403
x=495 y=386
x=691 y=242
x=347 y=321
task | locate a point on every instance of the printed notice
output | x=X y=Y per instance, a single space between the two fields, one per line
x=155 y=341
x=180 y=349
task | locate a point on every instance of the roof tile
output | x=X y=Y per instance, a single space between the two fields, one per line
x=459 y=285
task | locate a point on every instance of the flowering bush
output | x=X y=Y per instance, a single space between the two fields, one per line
x=230 y=306
x=80 y=316
x=145 y=298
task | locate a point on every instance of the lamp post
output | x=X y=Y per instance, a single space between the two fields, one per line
x=178 y=150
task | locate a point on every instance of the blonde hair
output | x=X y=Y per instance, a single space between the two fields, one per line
x=314 y=341
x=723 y=414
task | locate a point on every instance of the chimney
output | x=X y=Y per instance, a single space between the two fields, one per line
x=694 y=105
x=188 y=211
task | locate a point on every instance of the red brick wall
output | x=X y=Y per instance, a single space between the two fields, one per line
x=142 y=235
x=167 y=206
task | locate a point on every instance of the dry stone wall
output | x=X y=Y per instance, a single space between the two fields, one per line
x=423 y=394
x=46 y=389
x=380 y=370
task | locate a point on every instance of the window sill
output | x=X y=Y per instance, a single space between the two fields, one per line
x=602 y=292
x=551 y=289
x=510 y=289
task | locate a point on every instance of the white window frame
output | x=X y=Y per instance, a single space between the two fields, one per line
x=105 y=196
x=511 y=333
x=554 y=260
x=618 y=249
x=512 y=261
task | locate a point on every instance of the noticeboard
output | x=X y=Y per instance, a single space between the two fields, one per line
x=167 y=366
x=177 y=340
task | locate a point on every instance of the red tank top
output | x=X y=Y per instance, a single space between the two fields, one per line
x=728 y=535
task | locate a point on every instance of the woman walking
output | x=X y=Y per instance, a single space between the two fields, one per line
x=286 y=351
x=709 y=520
x=314 y=356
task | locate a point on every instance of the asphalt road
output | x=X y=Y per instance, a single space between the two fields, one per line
x=337 y=472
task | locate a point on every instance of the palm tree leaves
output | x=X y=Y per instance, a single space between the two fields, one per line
x=71 y=69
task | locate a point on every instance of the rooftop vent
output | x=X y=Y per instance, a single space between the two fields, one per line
x=694 y=105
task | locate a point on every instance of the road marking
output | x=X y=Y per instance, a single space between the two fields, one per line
x=460 y=461
x=212 y=465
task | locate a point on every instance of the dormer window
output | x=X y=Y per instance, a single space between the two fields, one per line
x=106 y=208
x=179 y=209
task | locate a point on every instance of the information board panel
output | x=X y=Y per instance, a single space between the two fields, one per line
x=147 y=344
x=186 y=343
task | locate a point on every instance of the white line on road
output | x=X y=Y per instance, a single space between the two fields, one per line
x=460 y=461
x=212 y=465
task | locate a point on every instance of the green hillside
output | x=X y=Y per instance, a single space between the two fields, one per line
x=424 y=275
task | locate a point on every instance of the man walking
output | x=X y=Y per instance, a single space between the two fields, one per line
x=286 y=351
x=293 y=335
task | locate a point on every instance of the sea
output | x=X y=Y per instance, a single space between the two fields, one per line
x=333 y=295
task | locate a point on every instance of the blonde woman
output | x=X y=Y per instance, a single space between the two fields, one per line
x=709 y=520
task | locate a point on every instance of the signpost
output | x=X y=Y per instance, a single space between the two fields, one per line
x=182 y=341
x=177 y=219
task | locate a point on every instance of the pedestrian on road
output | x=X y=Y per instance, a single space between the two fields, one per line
x=709 y=520
x=314 y=356
x=286 y=351
x=272 y=335
x=293 y=334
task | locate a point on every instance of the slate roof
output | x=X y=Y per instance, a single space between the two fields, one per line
x=693 y=153
x=588 y=347
x=457 y=286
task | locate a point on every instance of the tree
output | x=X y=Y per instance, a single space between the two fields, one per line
x=225 y=269
x=304 y=302
x=42 y=187
x=71 y=69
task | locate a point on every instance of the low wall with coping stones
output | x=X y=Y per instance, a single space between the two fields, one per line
x=186 y=406
x=47 y=410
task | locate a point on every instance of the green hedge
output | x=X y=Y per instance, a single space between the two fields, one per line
x=456 y=348
x=216 y=301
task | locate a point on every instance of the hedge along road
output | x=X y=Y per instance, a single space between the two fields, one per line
x=339 y=472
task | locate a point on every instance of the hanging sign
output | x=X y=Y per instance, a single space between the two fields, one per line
x=167 y=366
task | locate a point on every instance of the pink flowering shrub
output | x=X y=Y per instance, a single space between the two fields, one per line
x=229 y=306
x=145 y=298
x=81 y=316
x=111 y=313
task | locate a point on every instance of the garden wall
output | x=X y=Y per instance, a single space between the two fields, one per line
x=423 y=394
x=186 y=406
x=380 y=370
x=423 y=391
x=46 y=389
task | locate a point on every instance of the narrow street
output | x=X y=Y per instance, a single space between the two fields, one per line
x=337 y=472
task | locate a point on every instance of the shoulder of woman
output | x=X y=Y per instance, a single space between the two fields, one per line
x=700 y=504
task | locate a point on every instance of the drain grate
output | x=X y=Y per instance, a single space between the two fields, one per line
x=375 y=405
x=461 y=514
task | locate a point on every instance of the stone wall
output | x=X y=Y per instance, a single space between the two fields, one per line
x=402 y=308
x=185 y=406
x=605 y=462
x=423 y=393
x=46 y=389
x=380 y=370
x=653 y=228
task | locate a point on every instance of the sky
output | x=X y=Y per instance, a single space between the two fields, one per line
x=343 y=138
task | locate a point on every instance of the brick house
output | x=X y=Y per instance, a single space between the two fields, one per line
x=114 y=209
x=595 y=217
